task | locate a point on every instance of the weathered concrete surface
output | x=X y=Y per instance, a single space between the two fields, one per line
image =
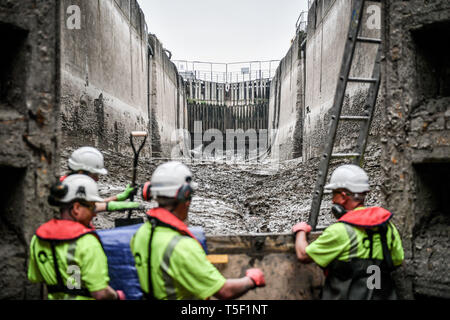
x=286 y=104
x=104 y=82
x=168 y=101
x=29 y=137
x=327 y=30
x=286 y=278
x=416 y=140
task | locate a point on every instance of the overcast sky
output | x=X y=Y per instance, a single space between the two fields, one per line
x=224 y=30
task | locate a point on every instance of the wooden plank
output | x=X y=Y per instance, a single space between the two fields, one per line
x=217 y=258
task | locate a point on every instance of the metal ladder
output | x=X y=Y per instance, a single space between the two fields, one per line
x=344 y=77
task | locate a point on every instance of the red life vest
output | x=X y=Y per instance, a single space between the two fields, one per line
x=168 y=219
x=56 y=231
x=367 y=218
x=63 y=230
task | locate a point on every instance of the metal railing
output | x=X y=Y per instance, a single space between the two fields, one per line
x=302 y=22
x=227 y=72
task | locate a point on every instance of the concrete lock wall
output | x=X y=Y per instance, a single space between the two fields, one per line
x=328 y=23
x=104 y=74
x=286 y=103
x=168 y=102
x=29 y=110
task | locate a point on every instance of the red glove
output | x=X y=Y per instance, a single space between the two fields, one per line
x=257 y=277
x=302 y=226
x=121 y=295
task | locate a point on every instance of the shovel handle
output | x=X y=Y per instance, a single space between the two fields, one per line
x=136 y=158
x=139 y=134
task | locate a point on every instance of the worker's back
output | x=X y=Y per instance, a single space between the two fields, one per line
x=180 y=269
x=81 y=263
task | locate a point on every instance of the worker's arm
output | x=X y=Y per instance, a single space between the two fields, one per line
x=117 y=206
x=235 y=288
x=113 y=198
x=300 y=247
x=101 y=206
x=301 y=230
x=108 y=294
x=126 y=194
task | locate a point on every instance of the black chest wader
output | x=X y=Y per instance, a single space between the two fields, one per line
x=349 y=280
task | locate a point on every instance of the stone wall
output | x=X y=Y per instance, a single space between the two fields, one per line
x=416 y=140
x=29 y=110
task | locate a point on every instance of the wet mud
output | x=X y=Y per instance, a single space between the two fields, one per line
x=234 y=198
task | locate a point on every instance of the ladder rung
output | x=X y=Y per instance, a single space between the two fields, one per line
x=368 y=40
x=345 y=155
x=357 y=118
x=367 y=80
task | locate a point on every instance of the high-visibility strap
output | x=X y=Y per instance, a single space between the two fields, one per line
x=71 y=253
x=165 y=265
x=55 y=264
x=71 y=261
x=353 y=251
x=387 y=257
x=370 y=234
x=150 y=295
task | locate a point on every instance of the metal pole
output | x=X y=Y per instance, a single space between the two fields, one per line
x=226 y=73
x=260 y=70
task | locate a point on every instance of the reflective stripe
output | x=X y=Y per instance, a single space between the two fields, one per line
x=71 y=253
x=70 y=262
x=165 y=264
x=353 y=251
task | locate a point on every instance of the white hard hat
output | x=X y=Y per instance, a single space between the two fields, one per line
x=350 y=177
x=168 y=178
x=80 y=187
x=87 y=159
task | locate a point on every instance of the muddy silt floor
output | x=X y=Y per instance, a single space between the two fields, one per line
x=233 y=198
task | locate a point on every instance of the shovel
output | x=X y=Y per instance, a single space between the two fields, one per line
x=129 y=221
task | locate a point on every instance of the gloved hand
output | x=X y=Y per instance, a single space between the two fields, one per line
x=257 y=276
x=123 y=206
x=121 y=295
x=127 y=193
x=302 y=226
